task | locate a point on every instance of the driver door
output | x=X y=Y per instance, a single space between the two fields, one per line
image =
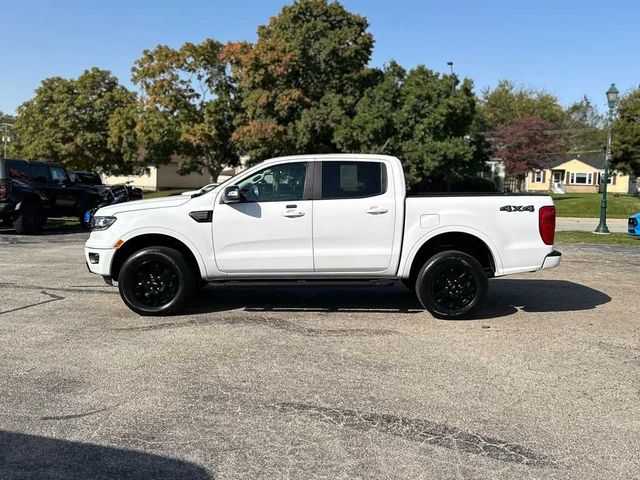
x=270 y=229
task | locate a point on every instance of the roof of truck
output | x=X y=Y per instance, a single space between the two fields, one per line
x=333 y=156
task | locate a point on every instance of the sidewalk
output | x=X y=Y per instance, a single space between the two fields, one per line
x=590 y=224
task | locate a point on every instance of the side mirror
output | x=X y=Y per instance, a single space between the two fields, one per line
x=231 y=194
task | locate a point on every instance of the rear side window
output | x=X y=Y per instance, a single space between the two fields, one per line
x=18 y=170
x=353 y=179
x=40 y=173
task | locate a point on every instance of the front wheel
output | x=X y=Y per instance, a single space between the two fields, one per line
x=451 y=285
x=156 y=281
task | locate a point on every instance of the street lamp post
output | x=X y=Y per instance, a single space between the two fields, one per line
x=612 y=100
x=453 y=85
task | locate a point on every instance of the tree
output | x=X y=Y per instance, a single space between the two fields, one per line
x=508 y=102
x=6 y=118
x=583 y=129
x=422 y=119
x=626 y=134
x=523 y=144
x=68 y=121
x=302 y=78
x=188 y=107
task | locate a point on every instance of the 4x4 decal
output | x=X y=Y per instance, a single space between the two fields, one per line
x=518 y=208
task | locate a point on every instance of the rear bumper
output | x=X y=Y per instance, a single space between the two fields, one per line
x=552 y=260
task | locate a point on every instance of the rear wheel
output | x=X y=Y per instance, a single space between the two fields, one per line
x=156 y=281
x=30 y=219
x=451 y=285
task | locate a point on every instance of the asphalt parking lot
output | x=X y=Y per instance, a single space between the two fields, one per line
x=318 y=383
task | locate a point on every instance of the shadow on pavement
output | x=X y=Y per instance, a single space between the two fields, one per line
x=506 y=297
x=30 y=456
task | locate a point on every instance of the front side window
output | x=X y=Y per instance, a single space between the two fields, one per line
x=353 y=179
x=58 y=174
x=278 y=183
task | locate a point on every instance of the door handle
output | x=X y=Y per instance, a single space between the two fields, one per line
x=293 y=214
x=377 y=211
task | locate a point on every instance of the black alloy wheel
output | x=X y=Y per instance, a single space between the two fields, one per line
x=156 y=281
x=451 y=284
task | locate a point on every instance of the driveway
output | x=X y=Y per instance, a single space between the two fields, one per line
x=318 y=383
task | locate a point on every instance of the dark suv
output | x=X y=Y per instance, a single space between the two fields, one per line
x=31 y=192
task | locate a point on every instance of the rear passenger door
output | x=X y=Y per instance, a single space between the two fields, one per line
x=354 y=214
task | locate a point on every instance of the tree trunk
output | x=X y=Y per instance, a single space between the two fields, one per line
x=214 y=169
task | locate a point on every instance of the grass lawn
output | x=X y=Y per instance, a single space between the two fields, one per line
x=166 y=193
x=587 y=205
x=589 y=237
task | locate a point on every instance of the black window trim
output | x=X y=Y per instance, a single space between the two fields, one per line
x=317 y=179
x=308 y=181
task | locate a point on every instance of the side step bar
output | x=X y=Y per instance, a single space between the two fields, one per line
x=354 y=282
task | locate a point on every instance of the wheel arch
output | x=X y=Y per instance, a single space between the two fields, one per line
x=465 y=241
x=143 y=240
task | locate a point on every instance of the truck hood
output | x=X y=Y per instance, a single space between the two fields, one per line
x=162 y=202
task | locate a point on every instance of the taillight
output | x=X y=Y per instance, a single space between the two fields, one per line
x=4 y=190
x=547 y=224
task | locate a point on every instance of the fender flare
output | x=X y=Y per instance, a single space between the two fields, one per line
x=405 y=267
x=169 y=233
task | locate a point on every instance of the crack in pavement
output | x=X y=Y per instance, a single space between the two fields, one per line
x=422 y=431
x=78 y=415
x=276 y=323
x=58 y=289
x=53 y=298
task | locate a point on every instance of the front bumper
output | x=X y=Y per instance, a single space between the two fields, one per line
x=552 y=260
x=99 y=260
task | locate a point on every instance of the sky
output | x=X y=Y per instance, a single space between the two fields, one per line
x=567 y=47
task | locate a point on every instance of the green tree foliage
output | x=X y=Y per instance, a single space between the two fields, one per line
x=626 y=134
x=188 y=107
x=422 y=119
x=583 y=129
x=6 y=118
x=302 y=78
x=508 y=102
x=68 y=121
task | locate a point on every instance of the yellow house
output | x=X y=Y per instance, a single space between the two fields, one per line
x=577 y=174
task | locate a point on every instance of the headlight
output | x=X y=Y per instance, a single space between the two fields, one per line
x=102 y=223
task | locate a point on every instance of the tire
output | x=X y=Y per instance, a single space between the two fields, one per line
x=410 y=283
x=451 y=285
x=156 y=281
x=30 y=218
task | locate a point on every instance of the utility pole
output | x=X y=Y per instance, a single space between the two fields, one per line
x=6 y=138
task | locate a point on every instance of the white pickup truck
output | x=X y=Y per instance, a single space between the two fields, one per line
x=314 y=218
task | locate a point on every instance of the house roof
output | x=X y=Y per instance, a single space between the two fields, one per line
x=594 y=161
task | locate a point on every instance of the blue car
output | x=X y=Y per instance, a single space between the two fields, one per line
x=634 y=225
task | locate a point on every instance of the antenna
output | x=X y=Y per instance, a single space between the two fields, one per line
x=385 y=145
